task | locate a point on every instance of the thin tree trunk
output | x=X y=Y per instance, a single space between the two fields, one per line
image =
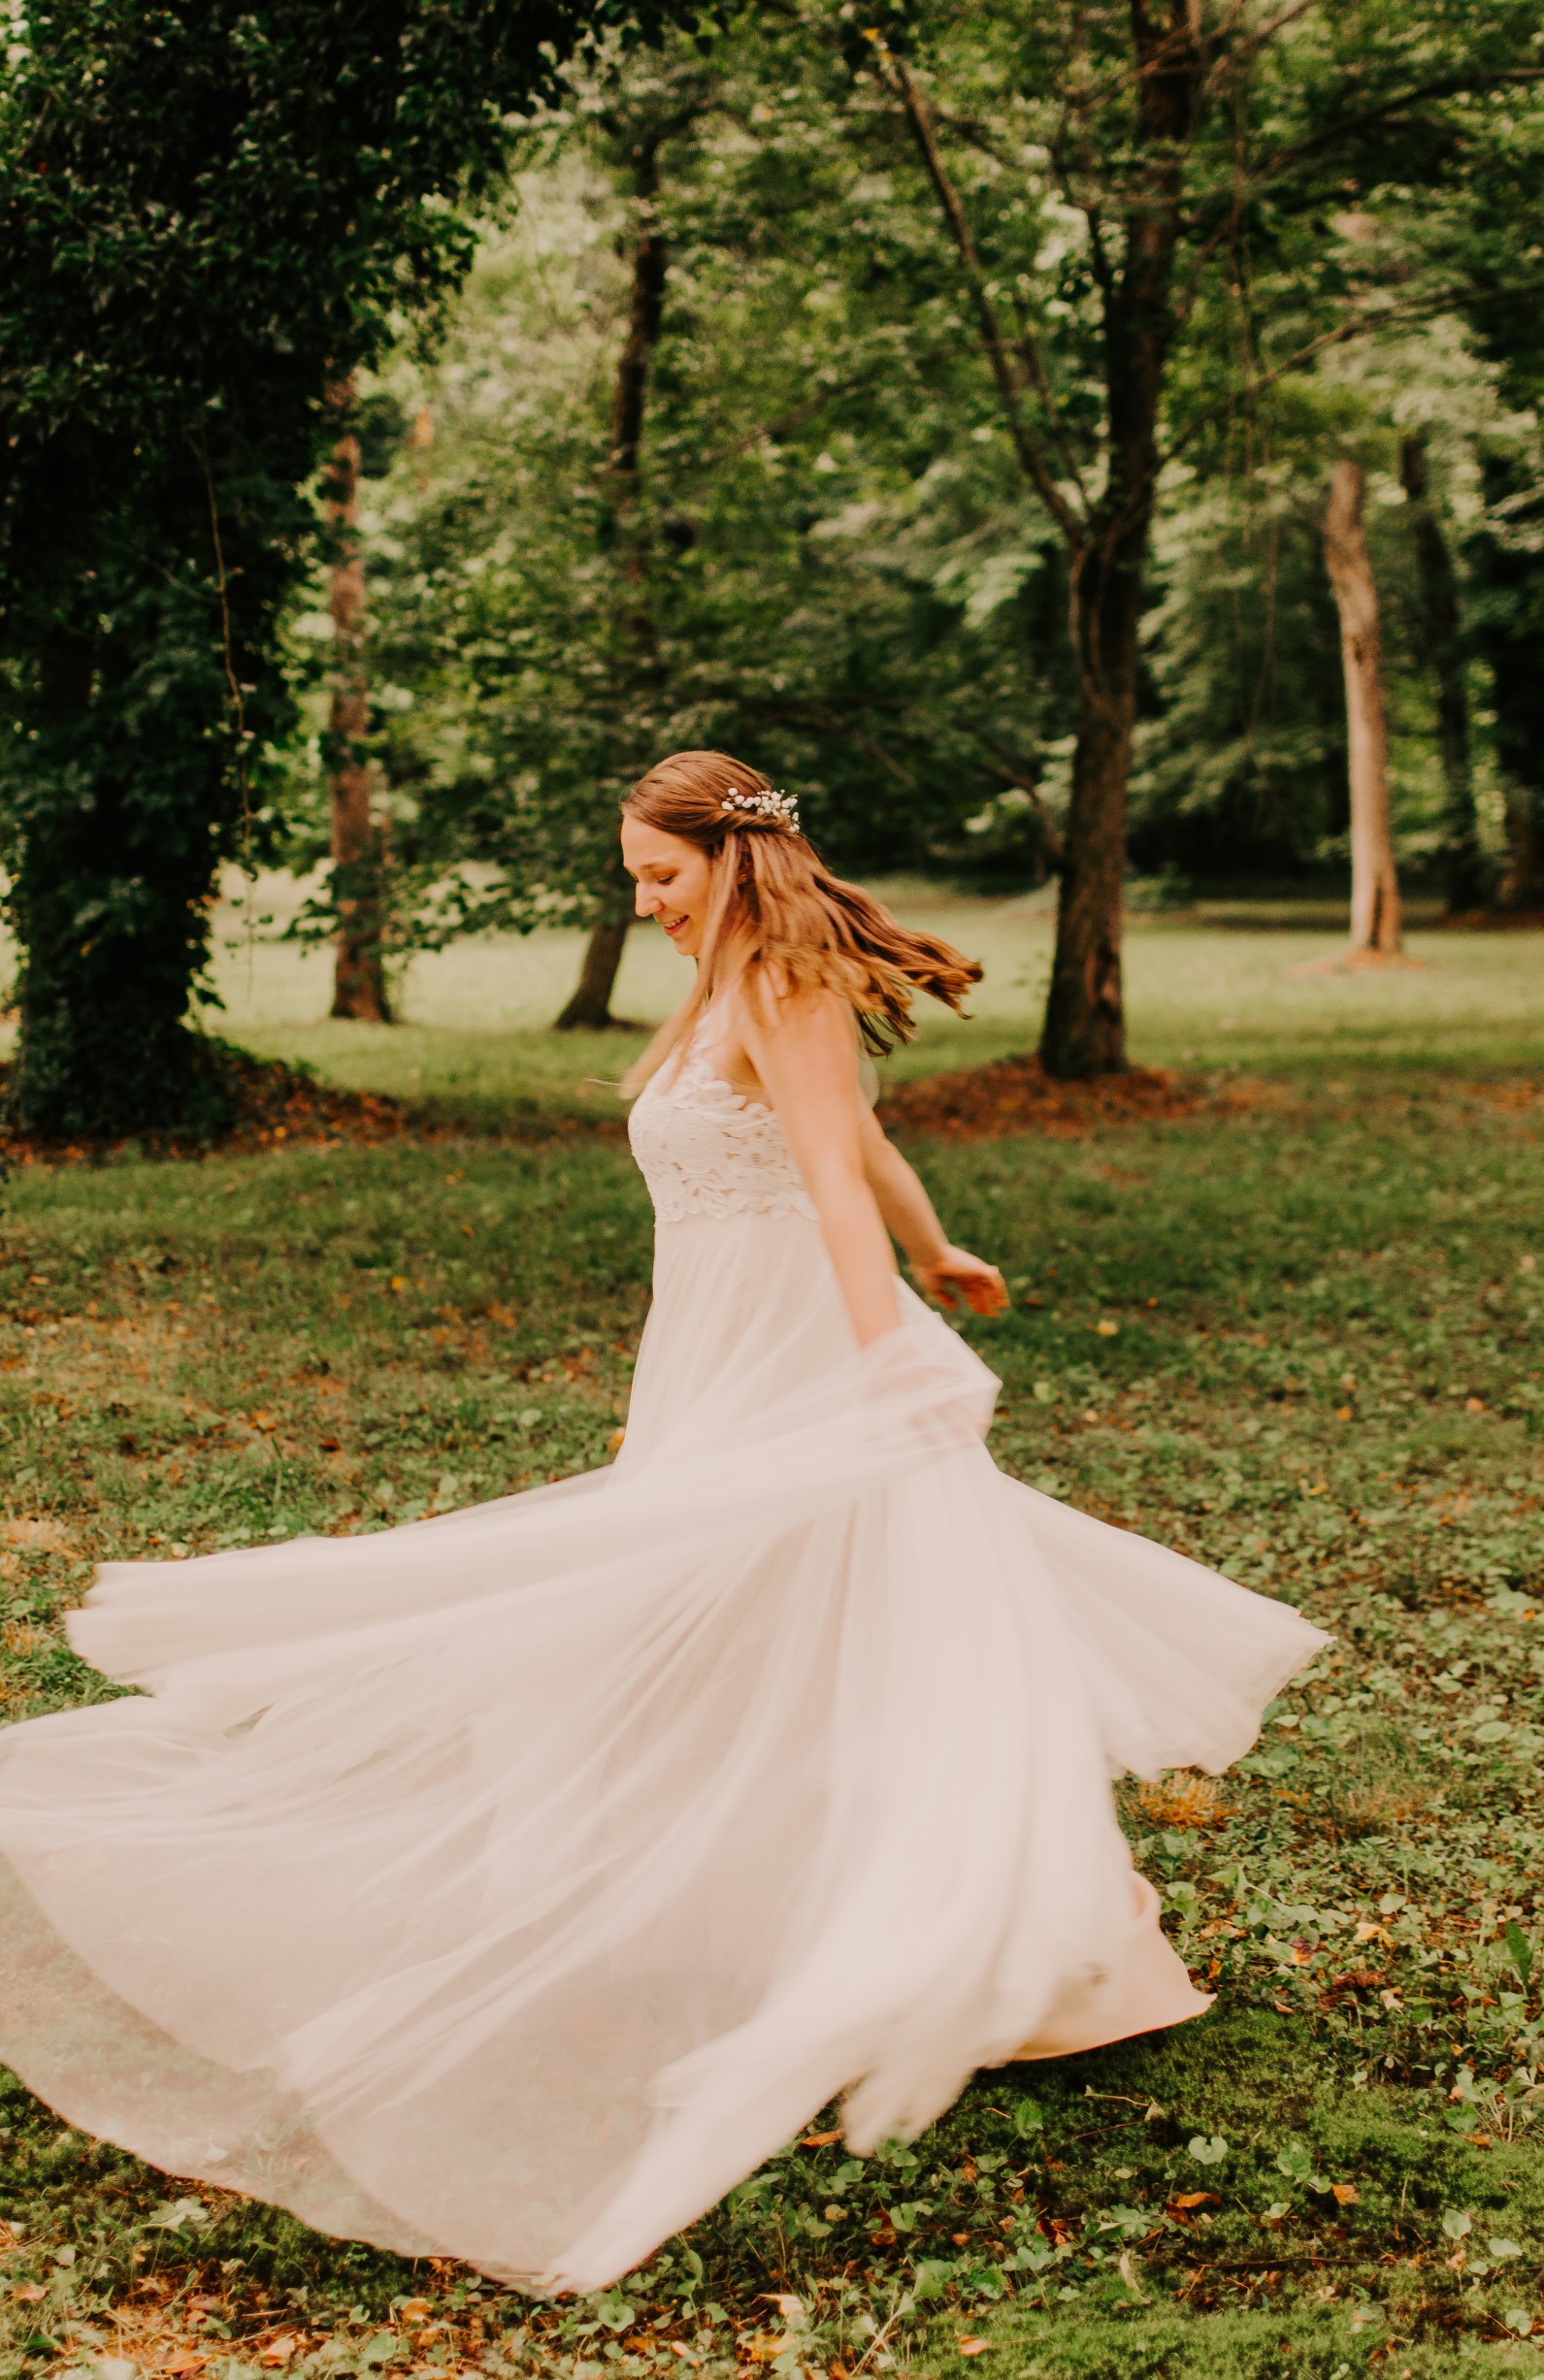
x=1504 y=563
x=359 y=983
x=590 y=1007
x=1442 y=638
x=1374 y=880
x=1522 y=884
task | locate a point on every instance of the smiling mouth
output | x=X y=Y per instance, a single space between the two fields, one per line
x=674 y=924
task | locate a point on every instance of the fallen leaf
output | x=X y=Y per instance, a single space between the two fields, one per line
x=972 y=2346
x=416 y=2310
x=1195 y=2197
x=31 y=2293
x=811 y=2139
x=1106 y=1330
x=278 y=2350
x=1344 y=2193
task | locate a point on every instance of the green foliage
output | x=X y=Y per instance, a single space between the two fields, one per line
x=835 y=560
x=800 y=569
x=209 y=212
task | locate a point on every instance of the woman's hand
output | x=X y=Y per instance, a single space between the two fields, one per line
x=954 y=1274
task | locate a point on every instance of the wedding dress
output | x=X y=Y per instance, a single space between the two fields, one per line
x=511 y=1884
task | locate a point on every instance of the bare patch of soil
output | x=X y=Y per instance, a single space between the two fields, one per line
x=1015 y=1094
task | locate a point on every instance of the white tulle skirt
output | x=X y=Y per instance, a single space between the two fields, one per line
x=510 y=1885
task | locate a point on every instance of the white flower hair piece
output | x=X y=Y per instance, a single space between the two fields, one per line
x=781 y=808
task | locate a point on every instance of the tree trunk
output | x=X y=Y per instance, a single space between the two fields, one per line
x=1374 y=880
x=590 y=1007
x=1522 y=884
x=359 y=983
x=1442 y=638
x=1508 y=577
x=1084 y=1032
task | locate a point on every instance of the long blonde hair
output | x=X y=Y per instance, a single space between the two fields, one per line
x=778 y=917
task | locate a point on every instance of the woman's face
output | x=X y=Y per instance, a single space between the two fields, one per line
x=673 y=879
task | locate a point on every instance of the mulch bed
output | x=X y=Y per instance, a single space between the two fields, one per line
x=1016 y=1095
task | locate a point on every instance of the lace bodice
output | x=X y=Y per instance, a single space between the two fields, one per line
x=704 y=1149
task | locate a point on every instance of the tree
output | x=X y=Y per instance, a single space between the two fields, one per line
x=1119 y=183
x=1507 y=576
x=356 y=841
x=818 y=562
x=1375 y=929
x=1442 y=635
x=634 y=138
x=210 y=210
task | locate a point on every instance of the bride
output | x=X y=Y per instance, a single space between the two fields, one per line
x=510 y=1885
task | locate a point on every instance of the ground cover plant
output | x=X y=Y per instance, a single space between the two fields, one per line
x=1298 y=1338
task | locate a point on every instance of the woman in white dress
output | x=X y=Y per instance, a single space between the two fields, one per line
x=511 y=1884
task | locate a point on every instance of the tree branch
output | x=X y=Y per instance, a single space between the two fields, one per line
x=1443 y=86
x=1416 y=309
x=995 y=345
x=1023 y=781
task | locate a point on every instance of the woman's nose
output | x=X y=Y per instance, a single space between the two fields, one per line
x=645 y=900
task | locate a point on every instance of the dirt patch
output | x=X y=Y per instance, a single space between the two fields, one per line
x=1016 y=1095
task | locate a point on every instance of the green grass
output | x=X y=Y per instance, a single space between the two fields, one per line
x=1323 y=1377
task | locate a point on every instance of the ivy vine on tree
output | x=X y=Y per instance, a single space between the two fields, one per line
x=211 y=210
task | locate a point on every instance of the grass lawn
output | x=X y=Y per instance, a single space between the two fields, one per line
x=1301 y=1341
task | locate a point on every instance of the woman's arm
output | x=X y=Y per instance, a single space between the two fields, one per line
x=942 y=1269
x=802 y=1048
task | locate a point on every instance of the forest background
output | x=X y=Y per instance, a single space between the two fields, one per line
x=1058 y=442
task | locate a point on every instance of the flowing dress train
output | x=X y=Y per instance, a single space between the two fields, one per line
x=509 y=1885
